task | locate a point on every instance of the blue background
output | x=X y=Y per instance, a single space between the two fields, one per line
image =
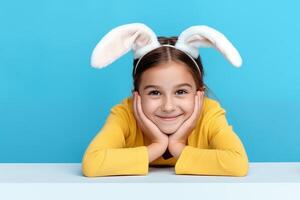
x=52 y=102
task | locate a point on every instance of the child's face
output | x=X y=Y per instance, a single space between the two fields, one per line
x=161 y=96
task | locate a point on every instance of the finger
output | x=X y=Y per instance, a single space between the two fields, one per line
x=201 y=100
x=202 y=95
x=196 y=108
x=134 y=105
x=136 y=111
x=140 y=109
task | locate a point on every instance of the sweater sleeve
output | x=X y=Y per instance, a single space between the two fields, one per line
x=107 y=153
x=225 y=155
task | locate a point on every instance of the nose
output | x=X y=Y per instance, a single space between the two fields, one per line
x=168 y=105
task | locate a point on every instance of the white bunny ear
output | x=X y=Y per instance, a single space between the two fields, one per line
x=136 y=36
x=203 y=36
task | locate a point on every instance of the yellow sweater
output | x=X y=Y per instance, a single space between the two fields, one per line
x=213 y=148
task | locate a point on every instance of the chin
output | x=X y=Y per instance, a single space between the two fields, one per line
x=168 y=131
x=168 y=128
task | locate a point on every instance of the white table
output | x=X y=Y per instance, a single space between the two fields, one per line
x=65 y=181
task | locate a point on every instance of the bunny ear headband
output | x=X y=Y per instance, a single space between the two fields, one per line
x=141 y=39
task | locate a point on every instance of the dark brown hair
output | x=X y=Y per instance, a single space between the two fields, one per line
x=165 y=54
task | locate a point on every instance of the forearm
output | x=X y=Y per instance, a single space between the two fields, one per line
x=212 y=162
x=120 y=161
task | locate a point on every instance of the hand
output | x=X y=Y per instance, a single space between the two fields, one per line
x=177 y=141
x=150 y=129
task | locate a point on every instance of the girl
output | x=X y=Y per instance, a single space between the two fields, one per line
x=168 y=120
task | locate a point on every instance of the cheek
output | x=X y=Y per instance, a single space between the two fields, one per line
x=148 y=107
x=188 y=106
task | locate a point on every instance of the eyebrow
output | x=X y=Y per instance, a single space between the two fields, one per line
x=179 y=85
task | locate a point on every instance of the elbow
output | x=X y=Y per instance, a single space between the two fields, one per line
x=236 y=164
x=243 y=171
x=89 y=167
x=87 y=172
x=239 y=168
x=92 y=162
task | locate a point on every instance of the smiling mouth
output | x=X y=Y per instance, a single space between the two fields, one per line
x=168 y=118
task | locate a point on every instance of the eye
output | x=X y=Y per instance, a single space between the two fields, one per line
x=182 y=91
x=154 y=92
